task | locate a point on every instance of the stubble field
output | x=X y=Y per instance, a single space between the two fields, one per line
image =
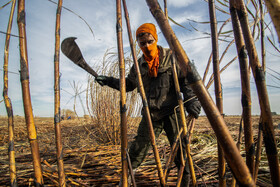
x=89 y=163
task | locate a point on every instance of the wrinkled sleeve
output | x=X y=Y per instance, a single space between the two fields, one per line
x=184 y=85
x=130 y=81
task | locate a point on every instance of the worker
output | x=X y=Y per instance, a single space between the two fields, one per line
x=156 y=70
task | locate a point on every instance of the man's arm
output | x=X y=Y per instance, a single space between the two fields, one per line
x=192 y=105
x=115 y=83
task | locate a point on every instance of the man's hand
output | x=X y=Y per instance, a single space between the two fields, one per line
x=193 y=107
x=102 y=80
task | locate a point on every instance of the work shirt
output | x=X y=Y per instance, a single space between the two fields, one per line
x=160 y=91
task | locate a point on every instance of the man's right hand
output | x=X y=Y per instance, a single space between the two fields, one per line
x=102 y=80
x=193 y=107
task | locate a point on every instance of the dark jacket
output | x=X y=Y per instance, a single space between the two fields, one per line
x=160 y=91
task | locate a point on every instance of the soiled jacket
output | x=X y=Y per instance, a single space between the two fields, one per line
x=160 y=90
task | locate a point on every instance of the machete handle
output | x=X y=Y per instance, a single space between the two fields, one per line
x=70 y=49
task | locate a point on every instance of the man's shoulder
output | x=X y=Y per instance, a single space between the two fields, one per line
x=164 y=50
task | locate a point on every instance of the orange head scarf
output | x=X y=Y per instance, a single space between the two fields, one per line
x=151 y=52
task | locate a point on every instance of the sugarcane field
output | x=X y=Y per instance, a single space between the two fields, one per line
x=89 y=163
x=140 y=93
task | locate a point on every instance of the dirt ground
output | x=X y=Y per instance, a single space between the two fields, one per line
x=88 y=163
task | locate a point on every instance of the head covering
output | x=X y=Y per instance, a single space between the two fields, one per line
x=151 y=52
x=148 y=28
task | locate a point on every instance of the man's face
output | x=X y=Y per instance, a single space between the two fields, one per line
x=148 y=45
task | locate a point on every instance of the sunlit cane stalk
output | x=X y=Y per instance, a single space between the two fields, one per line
x=211 y=56
x=191 y=127
x=238 y=144
x=122 y=95
x=218 y=86
x=258 y=150
x=246 y=93
x=273 y=7
x=184 y=126
x=165 y=9
x=262 y=36
x=57 y=114
x=130 y=170
x=172 y=154
x=8 y=103
x=24 y=78
x=144 y=99
x=217 y=122
x=268 y=131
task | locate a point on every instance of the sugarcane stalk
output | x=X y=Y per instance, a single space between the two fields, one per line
x=130 y=170
x=273 y=7
x=218 y=86
x=172 y=154
x=216 y=120
x=211 y=55
x=24 y=78
x=246 y=93
x=258 y=73
x=144 y=99
x=192 y=123
x=123 y=108
x=180 y=175
x=8 y=103
x=165 y=9
x=258 y=150
x=183 y=164
x=262 y=37
x=57 y=114
x=238 y=144
x=183 y=124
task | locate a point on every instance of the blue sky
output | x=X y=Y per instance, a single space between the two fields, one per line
x=101 y=17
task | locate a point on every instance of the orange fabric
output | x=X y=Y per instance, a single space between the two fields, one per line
x=151 y=52
x=149 y=28
x=153 y=65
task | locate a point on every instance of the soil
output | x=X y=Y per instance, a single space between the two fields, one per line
x=87 y=162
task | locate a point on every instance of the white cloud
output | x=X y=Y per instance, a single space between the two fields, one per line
x=180 y=3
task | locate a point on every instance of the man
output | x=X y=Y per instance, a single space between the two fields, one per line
x=156 y=70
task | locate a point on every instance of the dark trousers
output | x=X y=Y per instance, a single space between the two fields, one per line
x=141 y=144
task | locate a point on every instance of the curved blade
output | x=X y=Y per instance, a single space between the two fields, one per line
x=70 y=49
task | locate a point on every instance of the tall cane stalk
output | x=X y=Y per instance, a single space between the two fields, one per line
x=218 y=86
x=122 y=95
x=258 y=150
x=217 y=122
x=273 y=7
x=144 y=99
x=262 y=36
x=8 y=103
x=183 y=124
x=268 y=131
x=165 y=9
x=246 y=93
x=24 y=78
x=238 y=144
x=211 y=55
x=57 y=116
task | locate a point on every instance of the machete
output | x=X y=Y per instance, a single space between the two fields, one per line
x=70 y=49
